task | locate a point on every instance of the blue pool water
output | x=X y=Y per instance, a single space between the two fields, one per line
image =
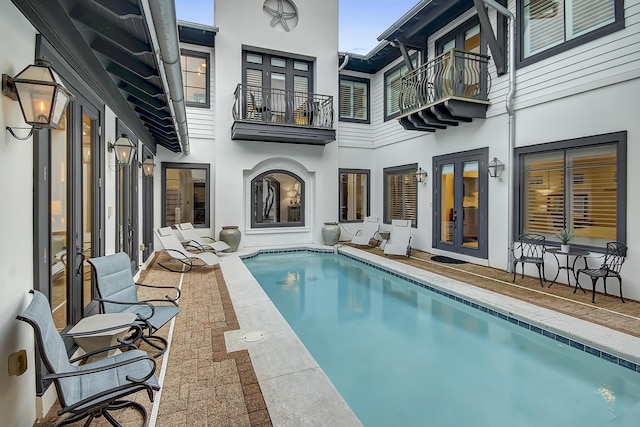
x=402 y=355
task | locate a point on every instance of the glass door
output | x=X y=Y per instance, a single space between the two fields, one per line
x=461 y=203
x=127 y=203
x=73 y=222
x=58 y=223
x=84 y=223
x=278 y=89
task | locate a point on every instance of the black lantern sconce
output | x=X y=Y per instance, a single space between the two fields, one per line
x=41 y=94
x=147 y=167
x=124 y=149
x=495 y=167
x=421 y=176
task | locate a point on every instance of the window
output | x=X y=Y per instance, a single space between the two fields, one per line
x=277 y=200
x=401 y=194
x=185 y=194
x=279 y=87
x=354 y=99
x=552 y=26
x=392 y=88
x=578 y=184
x=195 y=78
x=354 y=194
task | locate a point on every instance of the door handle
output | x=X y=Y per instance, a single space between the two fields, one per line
x=454 y=219
x=80 y=251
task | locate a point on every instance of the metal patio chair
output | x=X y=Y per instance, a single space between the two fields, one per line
x=117 y=293
x=614 y=257
x=259 y=110
x=530 y=249
x=97 y=387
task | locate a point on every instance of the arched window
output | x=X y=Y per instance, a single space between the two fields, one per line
x=277 y=200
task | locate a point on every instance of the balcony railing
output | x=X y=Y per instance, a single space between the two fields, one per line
x=282 y=107
x=453 y=74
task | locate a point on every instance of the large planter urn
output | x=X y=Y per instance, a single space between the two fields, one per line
x=231 y=236
x=331 y=233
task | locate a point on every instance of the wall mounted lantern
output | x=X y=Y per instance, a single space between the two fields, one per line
x=147 y=167
x=41 y=94
x=124 y=148
x=495 y=168
x=421 y=176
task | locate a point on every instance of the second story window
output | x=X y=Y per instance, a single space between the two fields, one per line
x=354 y=99
x=392 y=88
x=556 y=25
x=195 y=78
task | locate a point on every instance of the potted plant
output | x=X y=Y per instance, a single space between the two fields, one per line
x=565 y=237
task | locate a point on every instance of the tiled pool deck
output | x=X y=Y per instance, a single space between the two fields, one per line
x=212 y=377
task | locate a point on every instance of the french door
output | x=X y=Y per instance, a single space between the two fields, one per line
x=460 y=203
x=279 y=87
x=74 y=215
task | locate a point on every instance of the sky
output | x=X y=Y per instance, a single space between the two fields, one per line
x=361 y=21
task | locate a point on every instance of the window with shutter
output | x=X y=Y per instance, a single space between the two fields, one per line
x=393 y=86
x=401 y=194
x=550 y=23
x=354 y=99
x=575 y=187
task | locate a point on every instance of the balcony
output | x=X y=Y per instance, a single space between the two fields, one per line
x=450 y=89
x=277 y=115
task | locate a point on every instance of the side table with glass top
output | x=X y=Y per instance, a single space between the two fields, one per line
x=108 y=327
x=574 y=252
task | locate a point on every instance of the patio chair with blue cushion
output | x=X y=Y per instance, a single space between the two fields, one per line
x=191 y=239
x=614 y=257
x=530 y=249
x=399 y=239
x=94 y=388
x=117 y=293
x=368 y=232
x=172 y=246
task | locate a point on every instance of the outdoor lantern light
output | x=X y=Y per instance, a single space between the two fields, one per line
x=147 y=167
x=124 y=149
x=421 y=176
x=42 y=96
x=495 y=168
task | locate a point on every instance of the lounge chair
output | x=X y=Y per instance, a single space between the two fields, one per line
x=94 y=388
x=174 y=248
x=368 y=232
x=117 y=293
x=194 y=240
x=399 y=239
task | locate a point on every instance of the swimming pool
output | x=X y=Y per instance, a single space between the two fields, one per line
x=401 y=354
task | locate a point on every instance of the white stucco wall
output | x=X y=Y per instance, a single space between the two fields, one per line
x=236 y=162
x=17 y=399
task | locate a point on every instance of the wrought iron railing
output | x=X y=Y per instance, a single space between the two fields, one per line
x=454 y=73
x=279 y=106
